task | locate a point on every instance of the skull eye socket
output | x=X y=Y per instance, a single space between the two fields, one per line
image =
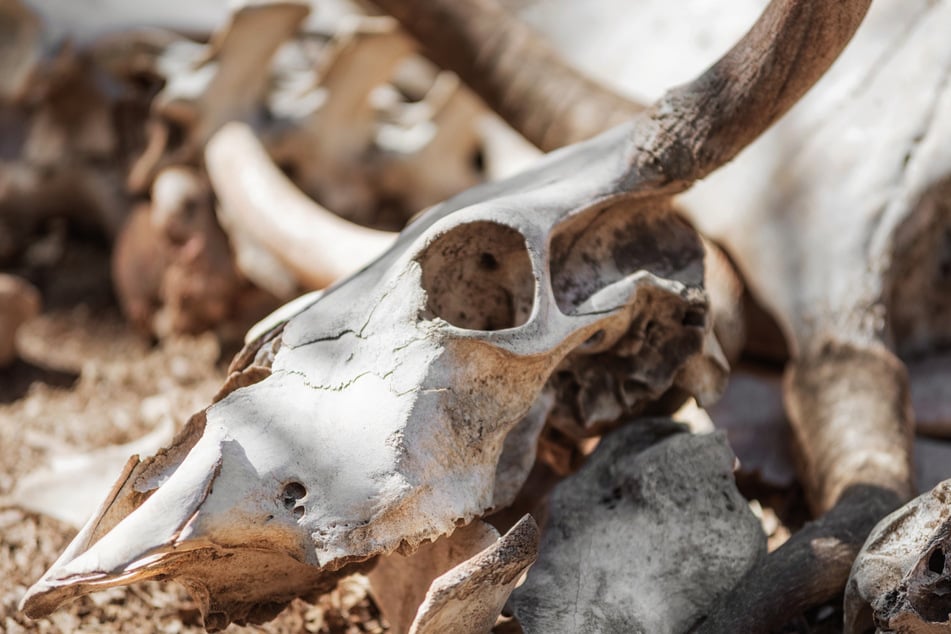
x=604 y=245
x=478 y=276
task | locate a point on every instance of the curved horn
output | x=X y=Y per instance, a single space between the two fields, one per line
x=689 y=132
x=705 y=123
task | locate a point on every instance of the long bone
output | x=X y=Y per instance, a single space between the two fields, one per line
x=258 y=203
x=375 y=418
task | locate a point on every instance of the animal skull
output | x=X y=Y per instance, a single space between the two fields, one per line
x=375 y=418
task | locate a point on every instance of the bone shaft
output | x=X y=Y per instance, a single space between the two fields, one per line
x=516 y=72
x=316 y=245
x=850 y=411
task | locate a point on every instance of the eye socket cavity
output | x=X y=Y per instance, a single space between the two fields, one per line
x=478 y=276
x=603 y=245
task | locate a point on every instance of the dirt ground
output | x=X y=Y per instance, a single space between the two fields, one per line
x=87 y=381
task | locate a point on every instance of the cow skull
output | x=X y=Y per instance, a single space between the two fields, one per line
x=375 y=418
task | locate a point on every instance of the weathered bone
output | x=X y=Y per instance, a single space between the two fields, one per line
x=259 y=205
x=470 y=597
x=399 y=583
x=224 y=81
x=172 y=266
x=508 y=65
x=20 y=49
x=646 y=537
x=329 y=151
x=375 y=418
x=838 y=222
x=19 y=302
x=900 y=578
x=442 y=164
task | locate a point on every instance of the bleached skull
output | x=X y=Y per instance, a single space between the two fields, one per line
x=377 y=417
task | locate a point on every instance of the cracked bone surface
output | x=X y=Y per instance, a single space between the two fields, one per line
x=651 y=533
x=375 y=418
x=900 y=578
x=385 y=404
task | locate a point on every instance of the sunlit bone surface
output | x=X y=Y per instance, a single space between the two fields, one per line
x=375 y=418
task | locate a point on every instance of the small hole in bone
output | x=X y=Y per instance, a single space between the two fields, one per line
x=298 y=512
x=694 y=318
x=215 y=621
x=488 y=262
x=293 y=491
x=595 y=339
x=601 y=246
x=478 y=276
x=936 y=561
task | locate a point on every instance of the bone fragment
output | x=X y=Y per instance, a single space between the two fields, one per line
x=260 y=204
x=469 y=598
x=899 y=580
x=19 y=302
x=225 y=81
x=445 y=164
x=72 y=484
x=399 y=583
x=331 y=151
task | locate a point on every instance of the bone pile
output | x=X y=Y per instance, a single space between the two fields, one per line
x=516 y=391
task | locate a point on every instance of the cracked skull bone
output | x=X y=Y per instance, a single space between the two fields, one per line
x=376 y=417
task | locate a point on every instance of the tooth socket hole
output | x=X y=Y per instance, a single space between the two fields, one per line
x=603 y=245
x=293 y=491
x=478 y=276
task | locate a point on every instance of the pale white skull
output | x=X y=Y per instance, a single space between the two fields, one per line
x=376 y=417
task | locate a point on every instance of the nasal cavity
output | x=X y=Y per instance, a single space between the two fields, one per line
x=293 y=491
x=478 y=276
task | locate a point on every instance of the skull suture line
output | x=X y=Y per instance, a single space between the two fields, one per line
x=377 y=417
